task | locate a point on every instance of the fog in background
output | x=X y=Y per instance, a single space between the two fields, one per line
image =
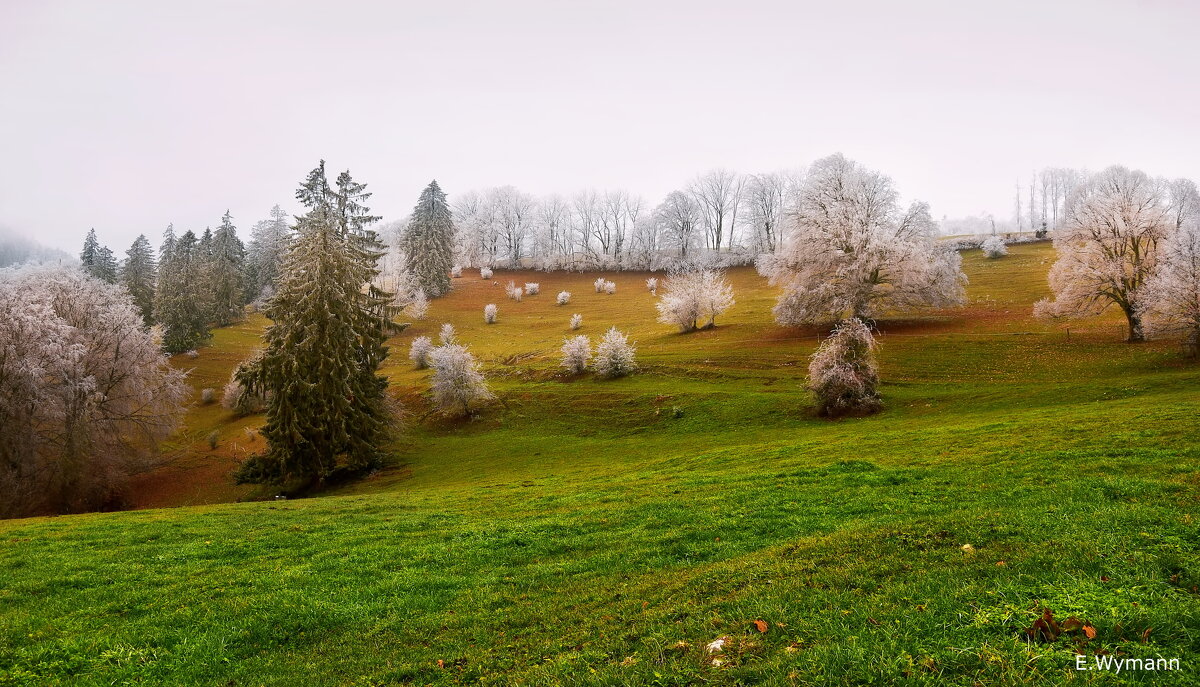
x=128 y=115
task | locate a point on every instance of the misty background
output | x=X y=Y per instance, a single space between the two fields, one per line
x=127 y=116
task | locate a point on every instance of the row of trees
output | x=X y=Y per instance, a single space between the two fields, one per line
x=194 y=281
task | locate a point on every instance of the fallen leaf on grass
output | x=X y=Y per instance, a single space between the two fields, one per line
x=761 y=625
x=1146 y=634
x=1089 y=631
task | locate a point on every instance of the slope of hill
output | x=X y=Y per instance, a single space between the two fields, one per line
x=16 y=249
x=611 y=532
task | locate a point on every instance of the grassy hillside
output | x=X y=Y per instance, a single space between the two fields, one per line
x=605 y=532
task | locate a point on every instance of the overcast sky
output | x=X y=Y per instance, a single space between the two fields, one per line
x=126 y=116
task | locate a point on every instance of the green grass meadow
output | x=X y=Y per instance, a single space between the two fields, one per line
x=587 y=532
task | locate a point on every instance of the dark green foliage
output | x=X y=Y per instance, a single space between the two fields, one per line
x=138 y=276
x=428 y=242
x=182 y=302
x=97 y=260
x=326 y=410
x=226 y=265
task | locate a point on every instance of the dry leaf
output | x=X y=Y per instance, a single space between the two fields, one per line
x=1089 y=631
x=1146 y=634
x=761 y=625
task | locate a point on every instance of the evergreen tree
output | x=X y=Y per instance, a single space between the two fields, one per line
x=182 y=301
x=97 y=260
x=226 y=266
x=428 y=242
x=268 y=241
x=327 y=410
x=138 y=277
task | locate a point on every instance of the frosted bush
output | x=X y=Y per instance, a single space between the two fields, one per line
x=576 y=321
x=599 y=284
x=532 y=288
x=610 y=287
x=993 y=247
x=564 y=297
x=694 y=296
x=485 y=273
x=447 y=335
x=193 y=354
x=576 y=352
x=842 y=374
x=489 y=313
x=240 y=400
x=513 y=291
x=419 y=352
x=457 y=380
x=456 y=271
x=652 y=285
x=614 y=355
x=419 y=305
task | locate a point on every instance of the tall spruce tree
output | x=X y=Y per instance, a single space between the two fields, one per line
x=138 y=273
x=428 y=242
x=327 y=410
x=227 y=263
x=97 y=260
x=91 y=247
x=268 y=241
x=182 y=301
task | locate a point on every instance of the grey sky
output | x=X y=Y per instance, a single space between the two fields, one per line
x=128 y=115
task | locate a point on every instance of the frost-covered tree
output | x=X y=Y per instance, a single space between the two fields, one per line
x=419 y=352
x=576 y=321
x=241 y=400
x=485 y=273
x=97 y=260
x=614 y=355
x=652 y=285
x=182 y=299
x=456 y=272
x=576 y=353
x=138 y=275
x=327 y=410
x=418 y=306
x=428 y=242
x=489 y=313
x=458 y=383
x=679 y=220
x=610 y=287
x=1169 y=304
x=855 y=253
x=719 y=195
x=692 y=296
x=599 y=284
x=842 y=374
x=85 y=392
x=532 y=288
x=226 y=266
x=563 y=298
x=993 y=247
x=1114 y=226
x=447 y=334
x=268 y=242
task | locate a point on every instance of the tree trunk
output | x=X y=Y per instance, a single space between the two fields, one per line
x=1136 y=335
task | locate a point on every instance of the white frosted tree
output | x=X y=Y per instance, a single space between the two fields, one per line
x=614 y=355
x=489 y=313
x=855 y=253
x=842 y=373
x=563 y=298
x=576 y=321
x=576 y=352
x=458 y=383
x=1169 y=305
x=85 y=392
x=1108 y=244
x=693 y=296
x=993 y=247
x=419 y=351
x=428 y=242
x=447 y=334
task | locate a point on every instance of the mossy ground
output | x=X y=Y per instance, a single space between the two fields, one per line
x=603 y=532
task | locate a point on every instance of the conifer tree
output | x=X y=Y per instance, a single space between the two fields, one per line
x=97 y=260
x=91 y=247
x=327 y=411
x=428 y=242
x=268 y=241
x=226 y=266
x=182 y=301
x=138 y=277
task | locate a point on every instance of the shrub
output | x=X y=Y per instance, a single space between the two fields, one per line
x=599 y=284
x=614 y=355
x=213 y=438
x=513 y=291
x=447 y=335
x=419 y=305
x=842 y=374
x=652 y=285
x=206 y=396
x=610 y=287
x=692 y=296
x=240 y=400
x=576 y=321
x=993 y=247
x=485 y=273
x=419 y=352
x=489 y=313
x=456 y=272
x=193 y=354
x=564 y=297
x=576 y=352
x=457 y=381
x=532 y=288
